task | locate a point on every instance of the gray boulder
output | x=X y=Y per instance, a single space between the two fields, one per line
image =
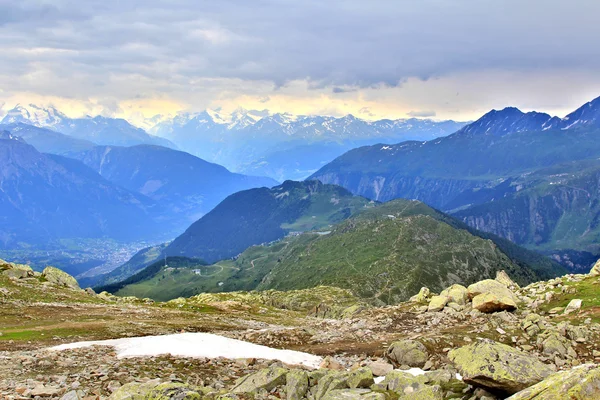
x=407 y=352
x=497 y=366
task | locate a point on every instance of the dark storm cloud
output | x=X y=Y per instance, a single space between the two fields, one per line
x=338 y=43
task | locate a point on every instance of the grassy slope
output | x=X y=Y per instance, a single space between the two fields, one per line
x=384 y=254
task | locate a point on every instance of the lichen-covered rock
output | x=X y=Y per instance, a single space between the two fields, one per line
x=175 y=391
x=456 y=294
x=360 y=378
x=422 y=297
x=60 y=278
x=424 y=393
x=579 y=383
x=595 y=271
x=407 y=352
x=296 y=384
x=491 y=296
x=134 y=390
x=334 y=380
x=267 y=379
x=504 y=279
x=15 y=271
x=399 y=381
x=498 y=366
x=490 y=302
x=353 y=394
x=437 y=303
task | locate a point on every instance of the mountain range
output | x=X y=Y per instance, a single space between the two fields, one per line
x=45 y=197
x=284 y=146
x=99 y=130
x=525 y=176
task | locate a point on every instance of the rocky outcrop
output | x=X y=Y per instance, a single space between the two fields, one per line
x=497 y=366
x=60 y=278
x=595 y=271
x=581 y=382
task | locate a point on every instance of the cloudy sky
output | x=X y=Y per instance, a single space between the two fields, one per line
x=378 y=58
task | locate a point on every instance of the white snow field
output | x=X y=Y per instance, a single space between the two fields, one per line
x=197 y=345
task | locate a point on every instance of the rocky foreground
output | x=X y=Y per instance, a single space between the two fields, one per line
x=490 y=340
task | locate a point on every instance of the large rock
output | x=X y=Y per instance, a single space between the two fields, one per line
x=574 y=305
x=264 y=379
x=134 y=390
x=178 y=391
x=580 y=383
x=353 y=394
x=60 y=278
x=15 y=271
x=422 y=297
x=398 y=381
x=595 y=269
x=407 y=352
x=360 y=378
x=490 y=302
x=437 y=303
x=497 y=366
x=491 y=296
x=456 y=294
x=296 y=384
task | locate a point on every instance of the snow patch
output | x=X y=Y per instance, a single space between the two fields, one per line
x=197 y=345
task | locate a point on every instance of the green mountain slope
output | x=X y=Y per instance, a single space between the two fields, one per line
x=263 y=215
x=383 y=254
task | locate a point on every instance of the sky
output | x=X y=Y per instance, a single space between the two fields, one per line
x=441 y=59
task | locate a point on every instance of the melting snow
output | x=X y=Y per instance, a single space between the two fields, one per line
x=197 y=345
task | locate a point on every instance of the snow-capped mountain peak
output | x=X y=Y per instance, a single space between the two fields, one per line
x=34 y=115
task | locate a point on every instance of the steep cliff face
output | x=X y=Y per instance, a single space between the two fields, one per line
x=559 y=212
x=438 y=192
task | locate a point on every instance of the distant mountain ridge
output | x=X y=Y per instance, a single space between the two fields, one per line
x=505 y=154
x=185 y=185
x=48 y=197
x=99 y=130
x=284 y=146
x=512 y=120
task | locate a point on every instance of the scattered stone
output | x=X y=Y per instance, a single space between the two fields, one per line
x=574 y=305
x=491 y=296
x=353 y=394
x=380 y=368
